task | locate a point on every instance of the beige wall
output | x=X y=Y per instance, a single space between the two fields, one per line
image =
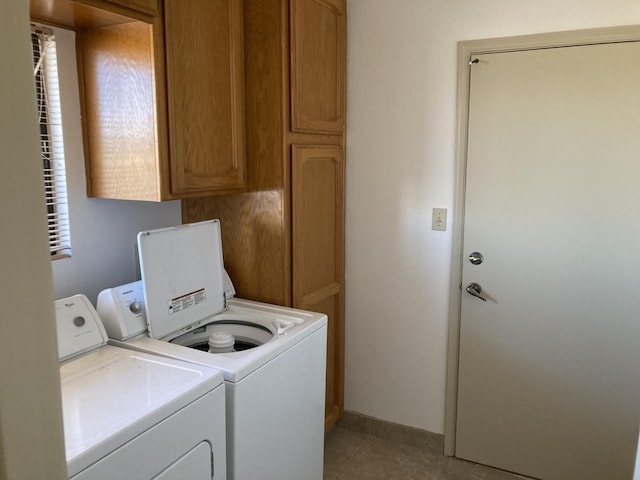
x=400 y=165
x=31 y=444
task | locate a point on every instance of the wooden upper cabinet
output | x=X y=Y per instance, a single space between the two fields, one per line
x=162 y=94
x=318 y=64
x=204 y=68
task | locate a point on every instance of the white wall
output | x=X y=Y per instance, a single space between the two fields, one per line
x=103 y=232
x=31 y=438
x=401 y=125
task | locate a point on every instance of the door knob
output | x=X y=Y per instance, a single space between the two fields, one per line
x=475 y=289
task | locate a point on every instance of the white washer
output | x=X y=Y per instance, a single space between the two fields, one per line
x=275 y=391
x=134 y=415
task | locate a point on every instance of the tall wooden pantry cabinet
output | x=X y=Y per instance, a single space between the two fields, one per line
x=283 y=239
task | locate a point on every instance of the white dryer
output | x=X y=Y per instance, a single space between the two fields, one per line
x=274 y=373
x=134 y=415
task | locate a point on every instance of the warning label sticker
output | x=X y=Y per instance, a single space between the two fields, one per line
x=187 y=300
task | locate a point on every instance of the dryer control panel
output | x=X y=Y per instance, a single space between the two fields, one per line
x=78 y=326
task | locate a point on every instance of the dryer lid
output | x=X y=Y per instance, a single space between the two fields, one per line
x=182 y=274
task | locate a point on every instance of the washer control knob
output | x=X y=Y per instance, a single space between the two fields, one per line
x=135 y=307
x=79 y=321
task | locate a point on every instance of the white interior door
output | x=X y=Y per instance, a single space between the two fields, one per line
x=549 y=373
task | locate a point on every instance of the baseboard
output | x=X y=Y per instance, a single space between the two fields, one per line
x=390 y=431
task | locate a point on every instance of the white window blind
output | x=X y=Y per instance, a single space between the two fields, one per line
x=51 y=144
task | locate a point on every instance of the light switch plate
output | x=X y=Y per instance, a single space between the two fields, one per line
x=439 y=219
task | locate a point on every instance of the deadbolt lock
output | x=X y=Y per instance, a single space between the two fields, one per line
x=476 y=258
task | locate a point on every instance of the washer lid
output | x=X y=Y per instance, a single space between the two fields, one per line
x=182 y=275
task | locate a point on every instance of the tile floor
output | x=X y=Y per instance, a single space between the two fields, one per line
x=361 y=448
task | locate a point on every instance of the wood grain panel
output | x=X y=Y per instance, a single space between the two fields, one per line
x=318 y=65
x=205 y=95
x=266 y=119
x=253 y=242
x=119 y=100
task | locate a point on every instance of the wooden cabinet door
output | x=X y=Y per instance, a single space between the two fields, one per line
x=318 y=253
x=203 y=42
x=119 y=111
x=318 y=65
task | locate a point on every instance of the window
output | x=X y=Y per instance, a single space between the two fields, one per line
x=45 y=73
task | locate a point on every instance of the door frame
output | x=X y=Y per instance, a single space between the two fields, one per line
x=466 y=50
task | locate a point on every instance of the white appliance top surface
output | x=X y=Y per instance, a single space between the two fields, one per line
x=237 y=365
x=111 y=395
x=182 y=273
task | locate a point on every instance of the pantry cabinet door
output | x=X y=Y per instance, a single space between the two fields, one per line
x=318 y=65
x=318 y=253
